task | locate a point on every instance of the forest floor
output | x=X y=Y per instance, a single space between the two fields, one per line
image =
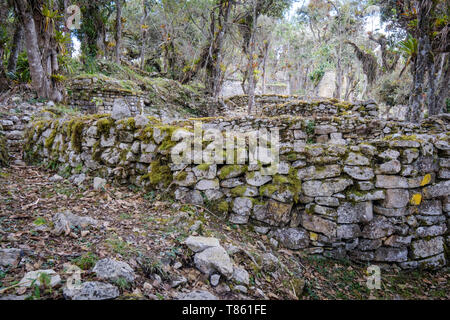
x=136 y=226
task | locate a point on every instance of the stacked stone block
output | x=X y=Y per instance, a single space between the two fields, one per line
x=377 y=200
x=272 y=105
x=97 y=95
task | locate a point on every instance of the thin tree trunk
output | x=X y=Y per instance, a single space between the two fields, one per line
x=266 y=53
x=251 y=77
x=416 y=100
x=143 y=35
x=41 y=52
x=433 y=108
x=40 y=82
x=443 y=83
x=118 y=35
x=338 y=89
x=16 y=47
x=223 y=30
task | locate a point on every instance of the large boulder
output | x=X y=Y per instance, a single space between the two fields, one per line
x=274 y=213
x=214 y=259
x=110 y=269
x=320 y=225
x=293 y=238
x=355 y=212
x=121 y=110
x=425 y=248
x=242 y=208
x=91 y=291
x=210 y=256
x=65 y=221
x=198 y=244
x=325 y=188
x=9 y=257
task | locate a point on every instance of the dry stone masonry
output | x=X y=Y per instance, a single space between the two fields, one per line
x=98 y=94
x=272 y=105
x=363 y=188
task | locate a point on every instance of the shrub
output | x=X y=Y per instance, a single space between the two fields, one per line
x=392 y=90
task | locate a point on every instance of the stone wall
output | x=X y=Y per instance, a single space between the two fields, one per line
x=384 y=200
x=239 y=103
x=296 y=132
x=12 y=127
x=97 y=94
x=272 y=105
x=322 y=107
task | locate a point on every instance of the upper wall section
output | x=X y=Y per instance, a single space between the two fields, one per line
x=97 y=94
x=344 y=130
x=272 y=105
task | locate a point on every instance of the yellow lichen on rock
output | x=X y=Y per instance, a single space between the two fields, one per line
x=416 y=199
x=426 y=180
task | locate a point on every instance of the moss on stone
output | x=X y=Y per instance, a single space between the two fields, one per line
x=167 y=144
x=223 y=206
x=311 y=209
x=49 y=141
x=295 y=184
x=159 y=174
x=104 y=126
x=129 y=124
x=146 y=135
x=227 y=170
x=3 y=152
x=292 y=156
x=96 y=152
x=182 y=176
x=268 y=190
x=204 y=167
x=77 y=135
x=239 y=191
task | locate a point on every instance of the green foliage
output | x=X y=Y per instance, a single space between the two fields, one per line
x=86 y=261
x=317 y=74
x=90 y=65
x=393 y=90
x=3 y=152
x=22 y=73
x=122 y=283
x=40 y=222
x=409 y=46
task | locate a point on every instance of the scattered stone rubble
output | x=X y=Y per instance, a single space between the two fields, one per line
x=64 y=222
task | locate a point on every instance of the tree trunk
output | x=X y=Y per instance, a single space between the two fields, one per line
x=3 y=15
x=40 y=82
x=16 y=47
x=443 y=83
x=143 y=35
x=417 y=98
x=42 y=65
x=224 y=14
x=251 y=62
x=266 y=53
x=118 y=35
x=338 y=89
